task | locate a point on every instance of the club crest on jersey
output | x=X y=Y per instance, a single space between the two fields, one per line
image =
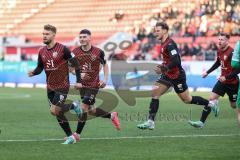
x=93 y=57
x=55 y=54
x=225 y=57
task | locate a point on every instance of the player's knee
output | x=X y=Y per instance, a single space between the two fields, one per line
x=212 y=99
x=155 y=97
x=85 y=107
x=187 y=100
x=156 y=93
x=92 y=111
x=54 y=110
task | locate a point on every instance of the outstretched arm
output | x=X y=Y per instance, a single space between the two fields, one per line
x=103 y=83
x=38 y=69
x=214 y=66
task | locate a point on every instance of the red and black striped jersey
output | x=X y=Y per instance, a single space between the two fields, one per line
x=168 y=50
x=225 y=57
x=54 y=62
x=89 y=62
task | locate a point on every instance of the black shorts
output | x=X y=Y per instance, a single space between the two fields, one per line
x=88 y=95
x=230 y=89
x=57 y=97
x=179 y=84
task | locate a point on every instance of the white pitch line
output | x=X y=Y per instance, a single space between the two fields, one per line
x=117 y=138
x=14 y=96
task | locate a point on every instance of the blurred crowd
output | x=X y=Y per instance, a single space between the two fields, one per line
x=206 y=19
x=187 y=51
x=189 y=20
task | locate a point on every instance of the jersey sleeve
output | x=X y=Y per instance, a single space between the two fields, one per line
x=73 y=62
x=174 y=55
x=102 y=57
x=39 y=67
x=214 y=66
x=67 y=53
x=172 y=49
x=70 y=57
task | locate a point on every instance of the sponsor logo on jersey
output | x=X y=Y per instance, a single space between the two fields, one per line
x=93 y=57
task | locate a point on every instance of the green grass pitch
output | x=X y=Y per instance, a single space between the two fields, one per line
x=28 y=131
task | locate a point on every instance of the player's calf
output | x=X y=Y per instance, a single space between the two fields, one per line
x=98 y=112
x=199 y=101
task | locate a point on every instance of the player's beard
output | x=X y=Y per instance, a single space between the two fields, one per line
x=83 y=44
x=160 y=38
x=47 y=42
x=223 y=46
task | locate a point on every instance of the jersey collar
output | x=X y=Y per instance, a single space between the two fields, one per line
x=52 y=47
x=88 y=50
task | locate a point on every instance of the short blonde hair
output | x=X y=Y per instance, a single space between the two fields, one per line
x=49 y=27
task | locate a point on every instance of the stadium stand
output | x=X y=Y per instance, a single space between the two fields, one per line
x=193 y=24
